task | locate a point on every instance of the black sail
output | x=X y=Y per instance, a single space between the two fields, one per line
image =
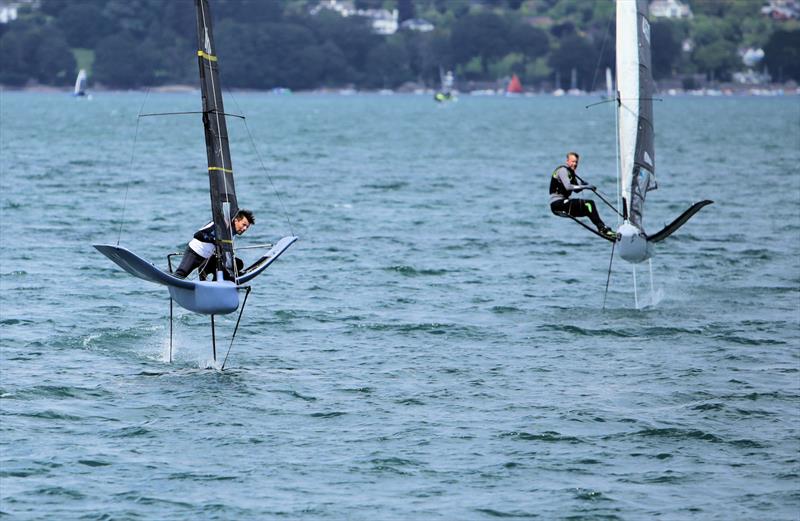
x=220 y=171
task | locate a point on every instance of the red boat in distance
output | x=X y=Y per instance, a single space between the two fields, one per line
x=514 y=86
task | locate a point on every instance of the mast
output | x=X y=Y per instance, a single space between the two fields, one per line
x=220 y=170
x=635 y=108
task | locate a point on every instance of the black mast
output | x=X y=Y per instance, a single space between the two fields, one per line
x=220 y=170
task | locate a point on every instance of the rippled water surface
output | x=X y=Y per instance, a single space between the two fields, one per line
x=434 y=346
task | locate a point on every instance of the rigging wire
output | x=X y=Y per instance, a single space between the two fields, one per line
x=263 y=166
x=600 y=195
x=188 y=112
x=130 y=166
x=235 y=329
x=608 y=276
x=602 y=50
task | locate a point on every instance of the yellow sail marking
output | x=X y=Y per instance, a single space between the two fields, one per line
x=209 y=57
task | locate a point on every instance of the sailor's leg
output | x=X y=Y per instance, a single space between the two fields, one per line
x=560 y=208
x=585 y=208
x=591 y=210
x=189 y=262
x=208 y=267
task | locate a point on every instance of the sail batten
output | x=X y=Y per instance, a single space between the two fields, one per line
x=224 y=205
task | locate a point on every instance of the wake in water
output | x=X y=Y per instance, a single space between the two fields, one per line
x=652 y=299
x=196 y=354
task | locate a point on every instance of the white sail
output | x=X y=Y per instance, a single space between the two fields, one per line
x=635 y=125
x=635 y=85
x=80 y=84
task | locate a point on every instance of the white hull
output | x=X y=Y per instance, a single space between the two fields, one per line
x=632 y=244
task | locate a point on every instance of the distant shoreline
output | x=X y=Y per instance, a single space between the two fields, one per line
x=789 y=89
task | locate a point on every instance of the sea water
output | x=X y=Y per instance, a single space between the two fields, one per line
x=434 y=346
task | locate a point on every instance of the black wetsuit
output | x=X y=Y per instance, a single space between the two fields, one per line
x=199 y=253
x=562 y=184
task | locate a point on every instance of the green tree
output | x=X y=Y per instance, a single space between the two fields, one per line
x=119 y=63
x=53 y=7
x=32 y=48
x=244 y=57
x=718 y=59
x=782 y=55
x=179 y=19
x=434 y=52
x=368 y=4
x=248 y=11
x=665 y=48
x=83 y=24
x=530 y=41
x=387 y=65
x=716 y=8
x=131 y=17
x=483 y=34
x=756 y=31
x=14 y=68
x=578 y=12
x=337 y=71
x=405 y=10
x=707 y=30
x=575 y=52
x=352 y=35
x=55 y=62
x=304 y=67
x=287 y=44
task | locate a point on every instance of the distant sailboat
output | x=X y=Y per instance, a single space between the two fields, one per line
x=446 y=92
x=557 y=90
x=80 y=84
x=221 y=295
x=573 y=83
x=514 y=86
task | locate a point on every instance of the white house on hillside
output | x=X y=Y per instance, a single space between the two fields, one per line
x=382 y=20
x=669 y=9
x=417 y=24
x=782 y=9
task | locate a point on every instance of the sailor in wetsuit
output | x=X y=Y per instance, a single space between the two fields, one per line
x=200 y=250
x=562 y=183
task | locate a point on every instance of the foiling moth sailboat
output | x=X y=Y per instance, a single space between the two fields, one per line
x=80 y=84
x=635 y=91
x=445 y=93
x=221 y=295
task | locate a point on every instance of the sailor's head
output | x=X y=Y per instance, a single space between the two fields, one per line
x=572 y=160
x=244 y=219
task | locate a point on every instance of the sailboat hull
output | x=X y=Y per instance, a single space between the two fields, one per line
x=206 y=297
x=632 y=244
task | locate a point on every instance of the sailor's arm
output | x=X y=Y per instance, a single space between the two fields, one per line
x=563 y=176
